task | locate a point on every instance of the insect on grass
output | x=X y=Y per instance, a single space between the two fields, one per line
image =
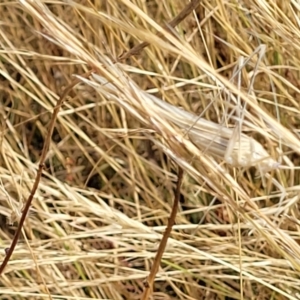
x=236 y=149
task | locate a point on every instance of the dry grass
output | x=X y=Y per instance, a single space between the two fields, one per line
x=104 y=199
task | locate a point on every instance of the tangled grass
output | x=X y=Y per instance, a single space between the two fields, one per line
x=106 y=192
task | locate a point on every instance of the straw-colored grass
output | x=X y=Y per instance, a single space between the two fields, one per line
x=106 y=193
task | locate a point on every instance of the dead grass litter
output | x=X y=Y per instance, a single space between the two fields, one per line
x=217 y=96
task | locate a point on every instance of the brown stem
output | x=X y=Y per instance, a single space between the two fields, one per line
x=47 y=142
x=150 y=280
x=173 y=23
